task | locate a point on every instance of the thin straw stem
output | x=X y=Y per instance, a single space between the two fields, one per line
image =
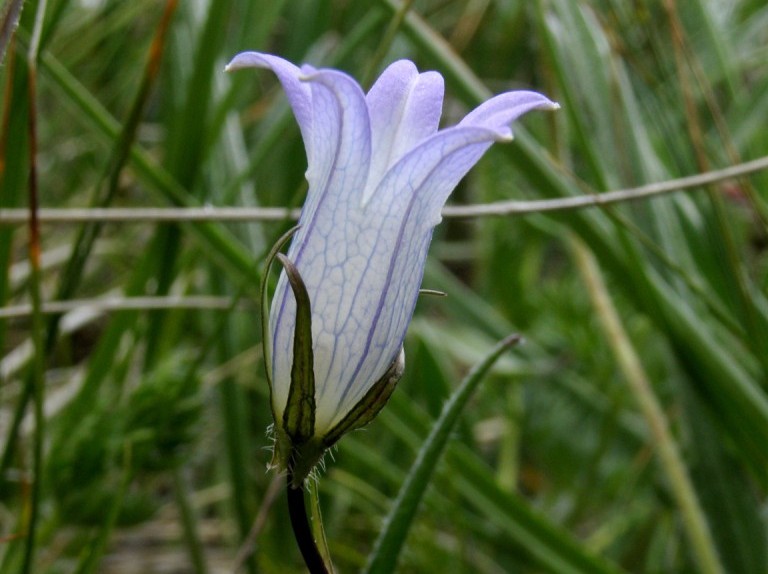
x=98 y=305
x=494 y=209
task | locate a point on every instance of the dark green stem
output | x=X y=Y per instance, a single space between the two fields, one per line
x=297 y=510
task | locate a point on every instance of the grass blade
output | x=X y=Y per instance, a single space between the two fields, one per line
x=383 y=558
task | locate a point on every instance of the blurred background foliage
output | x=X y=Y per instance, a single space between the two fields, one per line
x=155 y=445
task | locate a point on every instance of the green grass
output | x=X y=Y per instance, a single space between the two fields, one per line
x=154 y=446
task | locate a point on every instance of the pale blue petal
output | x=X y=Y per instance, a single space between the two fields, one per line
x=405 y=109
x=401 y=215
x=329 y=248
x=297 y=92
x=405 y=208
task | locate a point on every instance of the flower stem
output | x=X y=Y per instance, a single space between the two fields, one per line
x=302 y=530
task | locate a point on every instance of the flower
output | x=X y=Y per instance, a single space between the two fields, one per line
x=379 y=173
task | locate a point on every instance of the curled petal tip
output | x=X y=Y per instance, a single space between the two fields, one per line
x=235 y=63
x=245 y=60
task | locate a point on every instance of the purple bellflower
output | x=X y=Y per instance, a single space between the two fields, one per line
x=379 y=173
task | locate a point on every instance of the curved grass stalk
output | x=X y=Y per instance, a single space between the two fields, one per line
x=383 y=558
x=694 y=521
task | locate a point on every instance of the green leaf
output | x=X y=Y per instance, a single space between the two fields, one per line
x=383 y=558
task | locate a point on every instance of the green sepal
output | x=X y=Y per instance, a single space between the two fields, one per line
x=300 y=458
x=299 y=414
x=369 y=406
x=297 y=459
x=265 y=336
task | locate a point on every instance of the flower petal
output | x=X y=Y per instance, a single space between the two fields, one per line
x=407 y=204
x=298 y=93
x=327 y=249
x=500 y=111
x=402 y=212
x=405 y=109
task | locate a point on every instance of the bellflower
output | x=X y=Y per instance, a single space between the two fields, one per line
x=379 y=173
